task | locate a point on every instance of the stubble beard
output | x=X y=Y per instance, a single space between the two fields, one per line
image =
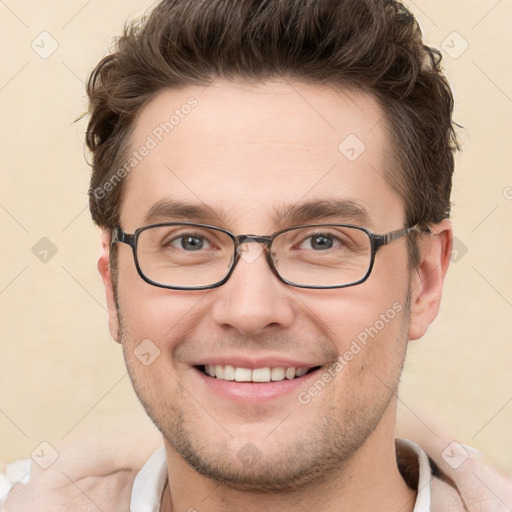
x=313 y=455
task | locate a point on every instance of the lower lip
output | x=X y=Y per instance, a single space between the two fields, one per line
x=256 y=391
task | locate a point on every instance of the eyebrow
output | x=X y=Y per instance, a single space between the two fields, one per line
x=332 y=209
x=341 y=210
x=169 y=209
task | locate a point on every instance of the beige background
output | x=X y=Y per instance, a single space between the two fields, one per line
x=60 y=373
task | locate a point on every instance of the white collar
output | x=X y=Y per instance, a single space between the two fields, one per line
x=423 y=498
x=149 y=483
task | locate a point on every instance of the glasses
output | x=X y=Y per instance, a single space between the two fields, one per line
x=186 y=256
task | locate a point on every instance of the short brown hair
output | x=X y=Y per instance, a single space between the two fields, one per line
x=372 y=45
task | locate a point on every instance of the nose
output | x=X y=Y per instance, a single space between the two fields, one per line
x=253 y=299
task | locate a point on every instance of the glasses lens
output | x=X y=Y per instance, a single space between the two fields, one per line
x=325 y=255
x=184 y=255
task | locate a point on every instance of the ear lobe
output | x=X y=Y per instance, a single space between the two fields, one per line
x=104 y=270
x=428 y=278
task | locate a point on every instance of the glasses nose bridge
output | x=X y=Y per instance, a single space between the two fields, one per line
x=242 y=239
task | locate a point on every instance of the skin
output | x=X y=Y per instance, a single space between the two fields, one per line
x=245 y=150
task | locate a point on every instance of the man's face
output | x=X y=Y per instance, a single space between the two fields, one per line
x=247 y=152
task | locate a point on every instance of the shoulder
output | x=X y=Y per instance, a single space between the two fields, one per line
x=436 y=491
x=445 y=497
x=25 y=487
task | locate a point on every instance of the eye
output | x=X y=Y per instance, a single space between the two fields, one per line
x=188 y=242
x=320 y=242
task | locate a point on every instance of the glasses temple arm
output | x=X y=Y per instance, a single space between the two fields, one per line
x=388 y=238
x=118 y=235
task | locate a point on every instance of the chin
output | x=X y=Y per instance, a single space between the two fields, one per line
x=272 y=463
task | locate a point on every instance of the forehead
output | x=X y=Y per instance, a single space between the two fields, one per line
x=247 y=152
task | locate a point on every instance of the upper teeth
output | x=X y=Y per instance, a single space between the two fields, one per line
x=229 y=372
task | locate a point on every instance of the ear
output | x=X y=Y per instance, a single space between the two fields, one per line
x=104 y=269
x=428 y=278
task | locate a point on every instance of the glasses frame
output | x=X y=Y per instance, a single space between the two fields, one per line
x=377 y=241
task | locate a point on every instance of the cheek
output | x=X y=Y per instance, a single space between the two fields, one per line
x=367 y=327
x=372 y=309
x=371 y=341
x=165 y=317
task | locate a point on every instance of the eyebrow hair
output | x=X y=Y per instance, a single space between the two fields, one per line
x=341 y=210
x=167 y=209
x=325 y=209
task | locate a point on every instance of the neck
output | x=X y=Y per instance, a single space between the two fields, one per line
x=369 y=480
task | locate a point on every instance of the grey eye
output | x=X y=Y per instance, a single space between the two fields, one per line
x=319 y=242
x=189 y=242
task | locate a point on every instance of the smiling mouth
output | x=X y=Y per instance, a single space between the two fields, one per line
x=267 y=374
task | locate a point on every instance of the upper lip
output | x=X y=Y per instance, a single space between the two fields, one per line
x=241 y=361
